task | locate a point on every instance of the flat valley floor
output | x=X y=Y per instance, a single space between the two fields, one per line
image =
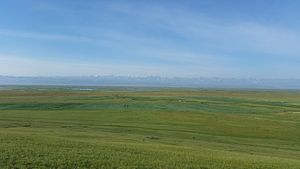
x=149 y=128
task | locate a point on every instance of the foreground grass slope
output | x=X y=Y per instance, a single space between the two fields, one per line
x=67 y=127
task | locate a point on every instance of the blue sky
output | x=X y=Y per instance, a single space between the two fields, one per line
x=195 y=38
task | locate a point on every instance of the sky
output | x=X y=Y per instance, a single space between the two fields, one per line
x=175 y=38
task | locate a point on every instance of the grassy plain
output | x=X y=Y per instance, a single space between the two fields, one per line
x=67 y=127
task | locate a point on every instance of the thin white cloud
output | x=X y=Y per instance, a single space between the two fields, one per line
x=23 y=66
x=268 y=39
x=211 y=40
x=43 y=36
x=193 y=26
x=237 y=35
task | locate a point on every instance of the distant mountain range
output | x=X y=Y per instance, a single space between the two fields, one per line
x=154 y=82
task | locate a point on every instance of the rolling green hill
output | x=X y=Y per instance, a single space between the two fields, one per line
x=59 y=127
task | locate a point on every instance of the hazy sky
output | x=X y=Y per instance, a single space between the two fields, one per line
x=200 y=38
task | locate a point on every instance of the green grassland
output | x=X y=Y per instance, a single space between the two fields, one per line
x=63 y=127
